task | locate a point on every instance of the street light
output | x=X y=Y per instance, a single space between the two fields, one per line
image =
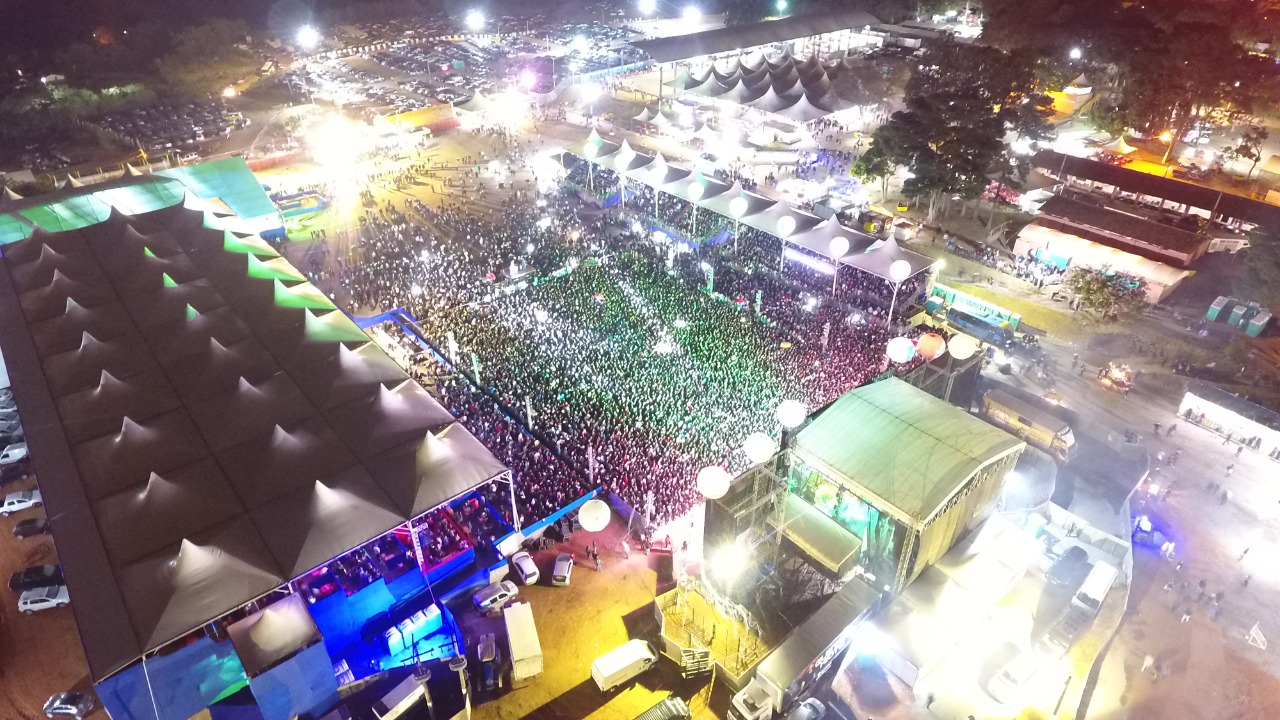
x=1167 y=138
x=228 y=92
x=1076 y=53
x=308 y=37
x=782 y=6
x=475 y=21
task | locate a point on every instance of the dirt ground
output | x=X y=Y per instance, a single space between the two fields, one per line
x=40 y=653
x=577 y=624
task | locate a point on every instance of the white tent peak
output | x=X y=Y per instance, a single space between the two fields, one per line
x=9 y=194
x=106 y=379
x=71 y=304
x=132 y=171
x=127 y=427
x=86 y=339
x=244 y=385
x=74 y=182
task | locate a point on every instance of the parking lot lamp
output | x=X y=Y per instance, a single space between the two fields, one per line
x=475 y=21
x=308 y=37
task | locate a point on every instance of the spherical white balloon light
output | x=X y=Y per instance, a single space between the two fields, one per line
x=738 y=206
x=900 y=349
x=900 y=270
x=839 y=246
x=962 y=347
x=786 y=226
x=713 y=482
x=590 y=150
x=696 y=190
x=759 y=447
x=791 y=413
x=594 y=515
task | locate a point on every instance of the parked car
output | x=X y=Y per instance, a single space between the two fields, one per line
x=15 y=502
x=54 y=596
x=525 y=568
x=810 y=709
x=13 y=453
x=13 y=472
x=1070 y=568
x=31 y=527
x=562 y=571
x=69 y=705
x=494 y=595
x=36 y=576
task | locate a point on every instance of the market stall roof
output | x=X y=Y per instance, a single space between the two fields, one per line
x=772 y=102
x=777 y=216
x=273 y=634
x=741 y=93
x=710 y=187
x=739 y=37
x=901 y=447
x=803 y=111
x=720 y=203
x=207 y=426
x=878 y=259
x=659 y=173
x=711 y=87
x=1226 y=204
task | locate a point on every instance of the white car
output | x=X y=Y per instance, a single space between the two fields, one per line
x=494 y=595
x=54 y=596
x=562 y=571
x=1006 y=684
x=13 y=502
x=13 y=453
x=525 y=568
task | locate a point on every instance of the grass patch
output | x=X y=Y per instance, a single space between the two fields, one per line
x=1057 y=323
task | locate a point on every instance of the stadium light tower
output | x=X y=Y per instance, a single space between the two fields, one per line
x=648 y=7
x=782 y=6
x=692 y=13
x=308 y=37
x=475 y=21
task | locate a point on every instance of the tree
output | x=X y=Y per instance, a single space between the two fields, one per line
x=1113 y=294
x=1249 y=147
x=1259 y=281
x=960 y=103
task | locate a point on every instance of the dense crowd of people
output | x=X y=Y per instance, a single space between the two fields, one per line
x=586 y=354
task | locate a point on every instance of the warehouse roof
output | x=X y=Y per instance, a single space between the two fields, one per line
x=204 y=424
x=907 y=450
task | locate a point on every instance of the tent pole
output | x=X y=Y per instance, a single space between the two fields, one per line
x=147 y=674
x=515 y=512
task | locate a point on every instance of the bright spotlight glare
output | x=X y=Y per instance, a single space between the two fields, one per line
x=335 y=145
x=528 y=79
x=1076 y=53
x=729 y=562
x=590 y=92
x=228 y=92
x=475 y=20
x=308 y=37
x=692 y=13
x=648 y=7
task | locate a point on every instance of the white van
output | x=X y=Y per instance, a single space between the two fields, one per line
x=1095 y=587
x=621 y=664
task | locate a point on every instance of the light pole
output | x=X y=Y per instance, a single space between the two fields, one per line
x=838 y=247
x=1167 y=138
x=695 y=193
x=900 y=270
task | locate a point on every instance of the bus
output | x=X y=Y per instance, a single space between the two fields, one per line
x=1029 y=422
x=989 y=330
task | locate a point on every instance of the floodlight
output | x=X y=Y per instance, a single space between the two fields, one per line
x=648 y=7
x=692 y=13
x=308 y=37
x=475 y=21
x=791 y=413
x=713 y=482
x=759 y=447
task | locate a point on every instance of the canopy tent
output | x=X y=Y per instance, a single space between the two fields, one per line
x=1119 y=146
x=659 y=174
x=711 y=87
x=645 y=115
x=772 y=102
x=684 y=80
x=479 y=103
x=879 y=259
x=819 y=239
x=207 y=425
x=776 y=218
x=741 y=93
x=803 y=111
x=273 y=634
x=682 y=188
x=901 y=447
x=722 y=203
x=757 y=78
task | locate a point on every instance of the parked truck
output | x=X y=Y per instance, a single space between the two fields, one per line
x=526 y=650
x=1031 y=423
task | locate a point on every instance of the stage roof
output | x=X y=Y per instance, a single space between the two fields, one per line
x=741 y=37
x=204 y=425
x=902 y=447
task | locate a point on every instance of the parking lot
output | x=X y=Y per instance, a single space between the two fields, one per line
x=39 y=653
x=603 y=611
x=178 y=126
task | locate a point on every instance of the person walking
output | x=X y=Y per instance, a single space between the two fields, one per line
x=1148 y=663
x=1157 y=429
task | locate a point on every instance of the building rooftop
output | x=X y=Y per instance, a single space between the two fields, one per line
x=1108 y=226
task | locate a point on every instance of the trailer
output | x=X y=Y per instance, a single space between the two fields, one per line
x=522 y=637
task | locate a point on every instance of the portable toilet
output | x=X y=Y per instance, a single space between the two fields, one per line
x=1258 y=323
x=1237 y=315
x=1222 y=303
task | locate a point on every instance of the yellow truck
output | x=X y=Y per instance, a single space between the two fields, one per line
x=1033 y=424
